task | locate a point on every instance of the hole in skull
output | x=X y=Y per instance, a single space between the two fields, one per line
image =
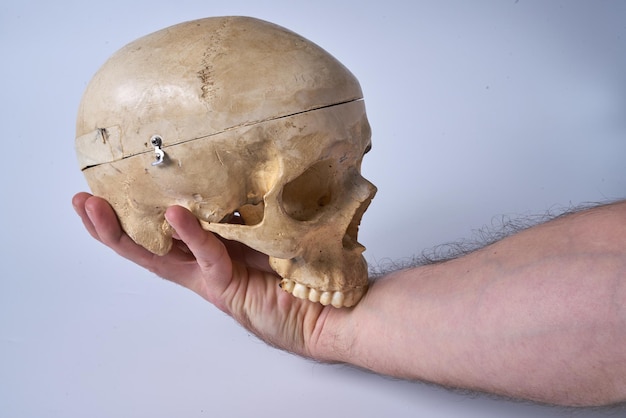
x=350 y=238
x=248 y=214
x=306 y=196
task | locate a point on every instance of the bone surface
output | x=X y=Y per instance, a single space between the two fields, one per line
x=259 y=132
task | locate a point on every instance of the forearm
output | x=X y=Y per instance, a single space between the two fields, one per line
x=540 y=315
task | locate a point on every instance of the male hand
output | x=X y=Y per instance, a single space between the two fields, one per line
x=233 y=277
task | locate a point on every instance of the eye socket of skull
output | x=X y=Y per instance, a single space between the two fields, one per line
x=308 y=195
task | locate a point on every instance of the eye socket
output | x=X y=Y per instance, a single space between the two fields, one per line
x=307 y=196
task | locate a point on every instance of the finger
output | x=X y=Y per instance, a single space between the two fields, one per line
x=210 y=253
x=102 y=220
x=78 y=202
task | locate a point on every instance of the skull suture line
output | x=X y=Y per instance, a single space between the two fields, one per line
x=249 y=122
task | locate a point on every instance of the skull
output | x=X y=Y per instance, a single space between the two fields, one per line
x=257 y=131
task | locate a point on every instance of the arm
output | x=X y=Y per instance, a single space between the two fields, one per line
x=540 y=315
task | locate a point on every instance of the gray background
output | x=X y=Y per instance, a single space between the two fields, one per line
x=479 y=109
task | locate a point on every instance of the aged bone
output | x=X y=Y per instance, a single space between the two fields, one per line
x=253 y=123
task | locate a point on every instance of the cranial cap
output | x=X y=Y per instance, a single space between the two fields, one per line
x=257 y=131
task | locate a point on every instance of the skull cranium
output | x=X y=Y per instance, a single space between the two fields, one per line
x=258 y=132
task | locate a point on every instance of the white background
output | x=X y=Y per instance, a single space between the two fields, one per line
x=479 y=109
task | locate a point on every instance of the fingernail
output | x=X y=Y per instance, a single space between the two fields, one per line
x=89 y=214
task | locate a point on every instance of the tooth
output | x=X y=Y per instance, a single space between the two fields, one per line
x=337 y=300
x=314 y=295
x=300 y=291
x=350 y=297
x=325 y=298
x=287 y=285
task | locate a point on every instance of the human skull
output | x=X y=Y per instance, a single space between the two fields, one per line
x=257 y=131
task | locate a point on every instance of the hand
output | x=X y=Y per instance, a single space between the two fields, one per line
x=233 y=277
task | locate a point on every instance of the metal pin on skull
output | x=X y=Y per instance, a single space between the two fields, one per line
x=157 y=142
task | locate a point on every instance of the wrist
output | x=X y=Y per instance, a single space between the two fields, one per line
x=333 y=335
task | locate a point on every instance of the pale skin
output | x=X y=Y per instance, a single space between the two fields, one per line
x=539 y=315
